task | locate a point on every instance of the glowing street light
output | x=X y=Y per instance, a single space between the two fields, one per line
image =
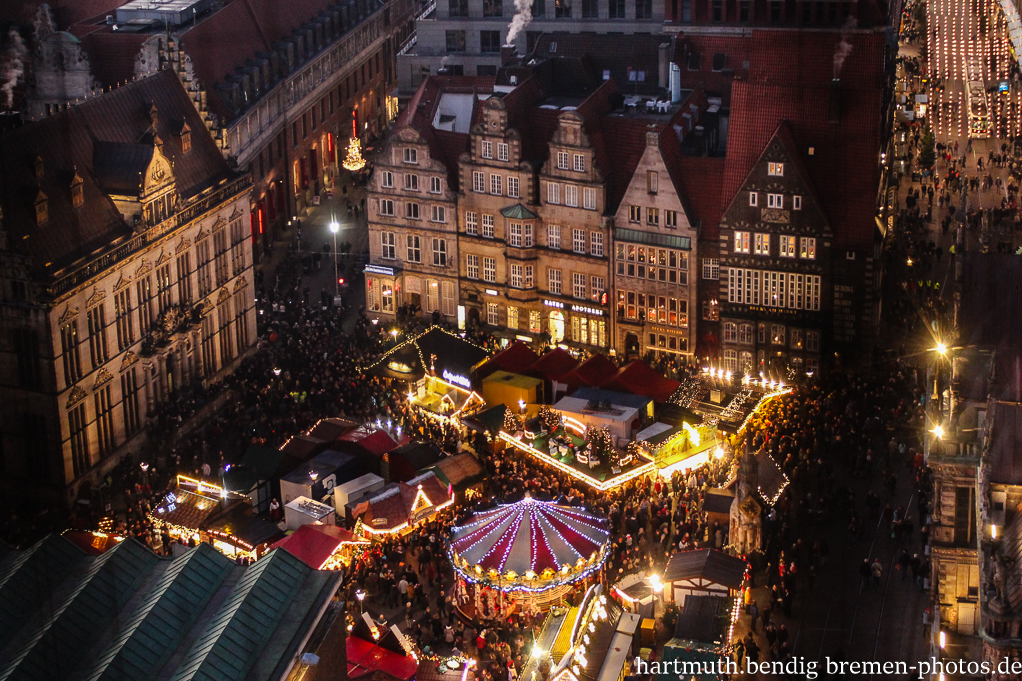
x=938 y=432
x=941 y=349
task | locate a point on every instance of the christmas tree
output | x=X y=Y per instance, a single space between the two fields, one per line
x=354 y=161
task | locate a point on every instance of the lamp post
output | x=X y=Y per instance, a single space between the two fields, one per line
x=334 y=228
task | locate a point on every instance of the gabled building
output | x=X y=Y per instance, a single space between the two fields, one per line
x=126 y=277
x=775 y=244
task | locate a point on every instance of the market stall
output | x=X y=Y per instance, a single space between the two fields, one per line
x=323 y=547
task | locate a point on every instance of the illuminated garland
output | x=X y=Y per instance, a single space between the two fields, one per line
x=599 y=485
x=414 y=341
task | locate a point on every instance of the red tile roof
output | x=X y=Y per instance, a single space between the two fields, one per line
x=637 y=378
x=790 y=78
x=314 y=544
x=737 y=50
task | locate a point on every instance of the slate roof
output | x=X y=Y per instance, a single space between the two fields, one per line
x=331 y=429
x=709 y=564
x=789 y=78
x=68 y=141
x=129 y=614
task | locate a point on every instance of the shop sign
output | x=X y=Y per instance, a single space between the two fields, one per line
x=457 y=380
x=554 y=303
x=492 y=292
x=587 y=310
x=379 y=269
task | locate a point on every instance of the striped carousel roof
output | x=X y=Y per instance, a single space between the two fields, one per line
x=529 y=535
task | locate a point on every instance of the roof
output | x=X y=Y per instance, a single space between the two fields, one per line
x=452 y=353
x=718 y=501
x=459 y=468
x=790 y=78
x=111 y=54
x=709 y=564
x=417 y=454
x=92 y=543
x=618 y=54
x=555 y=365
x=491 y=419
x=129 y=614
x=303 y=447
x=243 y=523
x=636 y=377
x=331 y=429
x=102 y=131
x=515 y=358
x=395 y=505
x=433 y=670
x=1005 y=427
x=258 y=463
x=518 y=212
x=367 y=658
x=378 y=442
x=615 y=398
x=990 y=318
x=314 y=544
x=595 y=371
x=517 y=380
x=186 y=509
x=704 y=619
x=771 y=478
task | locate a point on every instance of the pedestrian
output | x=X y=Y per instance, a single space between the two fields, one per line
x=878 y=570
x=864 y=571
x=754 y=614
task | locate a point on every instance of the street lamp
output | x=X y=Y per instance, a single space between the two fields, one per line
x=941 y=349
x=334 y=228
x=938 y=431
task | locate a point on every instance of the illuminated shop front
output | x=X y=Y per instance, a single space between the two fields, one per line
x=381 y=288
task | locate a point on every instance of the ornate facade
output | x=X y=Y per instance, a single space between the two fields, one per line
x=127 y=279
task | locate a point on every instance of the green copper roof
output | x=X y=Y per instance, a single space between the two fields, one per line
x=518 y=212
x=31 y=577
x=640 y=237
x=143 y=644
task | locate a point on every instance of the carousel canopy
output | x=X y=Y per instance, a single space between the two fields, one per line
x=530 y=536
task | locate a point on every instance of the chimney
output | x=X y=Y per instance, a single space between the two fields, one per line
x=508 y=55
x=675 y=84
x=835 y=101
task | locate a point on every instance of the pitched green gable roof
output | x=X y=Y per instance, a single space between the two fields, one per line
x=31 y=577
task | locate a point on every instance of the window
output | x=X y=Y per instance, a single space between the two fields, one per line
x=502 y=151
x=478 y=182
x=745 y=334
x=535 y=321
x=455 y=41
x=694 y=58
x=580 y=163
x=671 y=219
x=562 y=160
x=458 y=8
x=589 y=198
x=795 y=339
x=448 y=306
x=438 y=214
x=77 y=425
x=471 y=223
x=386 y=207
x=796 y=202
x=578 y=285
x=238 y=237
x=145 y=312
x=208 y=349
x=514 y=234
x=711 y=268
x=775 y=11
x=578 y=240
x=205 y=283
x=412 y=183
x=711 y=310
x=807 y=247
x=730 y=332
x=488 y=226
x=435 y=185
x=652 y=216
x=596 y=244
x=489 y=41
x=516 y=276
x=553 y=280
x=652 y=181
x=570 y=195
x=104 y=419
x=597 y=285
x=553 y=193
x=590 y=9
x=753 y=199
x=761 y=244
x=553 y=236
x=634 y=214
x=741 y=242
x=787 y=246
x=743 y=11
x=413 y=249
x=129 y=402
x=512 y=187
x=489 y=269
x=777 y=335
x=731 y=360
x=387 y=243
x=617 y=9
x=220 y=254
x=643 y=9
x=493 y=8
x=163 y=287
x=472 y=266
x=512 y=317
x=562 y=10
x=411 y=155
x=495 y=185
x=775 y=201
x=813 y=341
x=719 y=61
x=97 y=335
x=486 y=149
x=241 y=327
x=412 y=211
x=439 y=252
x=122 y=318
x=527 y=236
x=492 y=314
x=226 y=341
x=775 y=169
x=69 y=350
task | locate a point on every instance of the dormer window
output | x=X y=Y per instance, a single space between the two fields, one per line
x=77 y=191
x=186 y=139
x=42 y=209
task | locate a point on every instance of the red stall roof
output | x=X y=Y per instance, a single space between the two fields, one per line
x=554 y=365
x=637 y=378
x=516 y=359
x=365 y=658
x=314 y=544
x=595 y=371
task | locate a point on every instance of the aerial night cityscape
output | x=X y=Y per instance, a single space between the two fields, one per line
x=510 y=340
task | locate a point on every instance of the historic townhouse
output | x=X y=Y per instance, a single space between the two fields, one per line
x=412 y=212
x=775 y=244
x=126 y=278
x=653 y=256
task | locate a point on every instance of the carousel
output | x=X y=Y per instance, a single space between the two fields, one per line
x=525 y=556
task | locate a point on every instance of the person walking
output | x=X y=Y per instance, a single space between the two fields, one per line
x=754 y=614
x=878 y=570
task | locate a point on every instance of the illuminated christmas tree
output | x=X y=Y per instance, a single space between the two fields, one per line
x=354 y=161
